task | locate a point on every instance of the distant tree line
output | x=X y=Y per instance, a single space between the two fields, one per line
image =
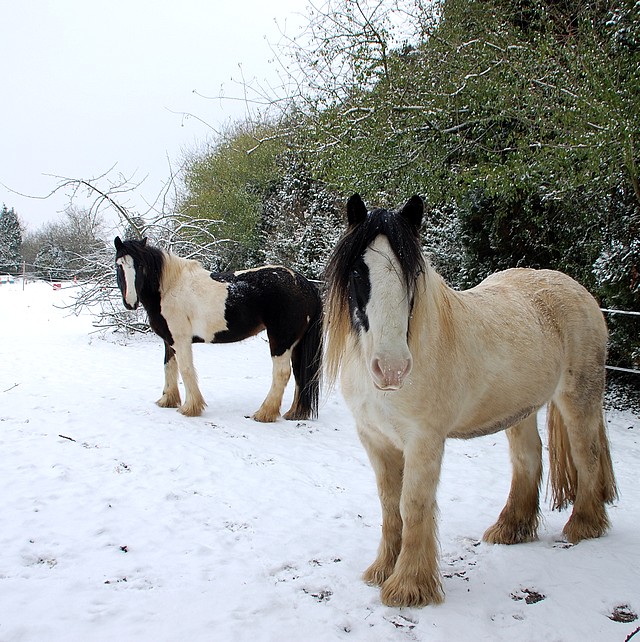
x=58 y=250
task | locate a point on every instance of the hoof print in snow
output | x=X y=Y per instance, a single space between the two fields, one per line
x=323 y=595
x=623 y=613
x=316 y=562
x=286 y=574
x=301 y=425
x=402 y=622
x=563 y=544
x=528 y=595
x=235 y=527
x=460 y=563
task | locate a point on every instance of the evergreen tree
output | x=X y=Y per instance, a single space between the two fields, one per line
x=301 y=220
x=10 y=241
x=52 y=262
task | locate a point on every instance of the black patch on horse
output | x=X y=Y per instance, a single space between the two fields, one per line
x=264 y=298
x=359 y=294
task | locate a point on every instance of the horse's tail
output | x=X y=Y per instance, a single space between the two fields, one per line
x=563 y=474
x=310 y=364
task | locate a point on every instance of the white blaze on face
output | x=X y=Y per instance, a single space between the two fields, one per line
x=130 y=295
x=388 y=312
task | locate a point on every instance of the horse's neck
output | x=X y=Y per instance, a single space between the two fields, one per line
x=173 y=269
x=160 y=275
x=432 y=314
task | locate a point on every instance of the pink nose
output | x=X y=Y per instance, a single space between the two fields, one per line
x=389 y=374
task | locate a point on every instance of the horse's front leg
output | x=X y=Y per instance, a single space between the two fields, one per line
x=170 y=393
x=387 y=463
x=194 y=402
x=416 y=578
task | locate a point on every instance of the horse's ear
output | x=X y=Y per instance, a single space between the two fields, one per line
x=118 y=243
x=412 y=212
x=144 y=242
x=356 y=210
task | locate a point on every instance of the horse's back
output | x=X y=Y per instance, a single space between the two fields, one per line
x=274 y=290
x=561 y=304
x=521 y=336
x=568 y=316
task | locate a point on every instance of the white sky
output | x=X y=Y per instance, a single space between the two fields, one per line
x=86 y=85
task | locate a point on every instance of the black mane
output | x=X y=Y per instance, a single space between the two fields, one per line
x=402 y=236
x=149 y=263
x=150 y=259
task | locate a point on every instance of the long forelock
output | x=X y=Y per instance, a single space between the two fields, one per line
x=149 y=258
x=404 y=243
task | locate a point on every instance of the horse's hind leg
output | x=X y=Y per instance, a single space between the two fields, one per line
x=296 y=412
x=170 y=393
x=581 y=469
x=306 y=361
x=270 y=408
x=518 y=521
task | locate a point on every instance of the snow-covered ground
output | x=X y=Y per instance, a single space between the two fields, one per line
x=125 y=521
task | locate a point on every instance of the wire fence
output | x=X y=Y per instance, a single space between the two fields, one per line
x=607 y=311
x=630 y=313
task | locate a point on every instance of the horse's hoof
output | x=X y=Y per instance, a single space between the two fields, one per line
x=581 y=526
x=190 y=411
x=377 y=574
x=168 y=402
x=295 y=415
x=264 y=417
x=504 y=532
x=402 y=591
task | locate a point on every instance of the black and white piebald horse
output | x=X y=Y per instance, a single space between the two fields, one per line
x=186 y=304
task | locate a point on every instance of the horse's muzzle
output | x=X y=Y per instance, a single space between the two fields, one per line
x=390 y=374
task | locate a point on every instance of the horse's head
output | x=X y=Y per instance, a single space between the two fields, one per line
x=129 y=271
x=372 y=278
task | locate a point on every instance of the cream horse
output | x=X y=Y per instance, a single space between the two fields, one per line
x=421 y=362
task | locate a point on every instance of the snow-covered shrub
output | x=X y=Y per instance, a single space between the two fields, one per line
x=301 y=222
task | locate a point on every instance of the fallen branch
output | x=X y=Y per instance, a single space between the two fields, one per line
x=631 y=634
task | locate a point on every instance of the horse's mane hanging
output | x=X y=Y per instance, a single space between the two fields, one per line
x=152 y=258
x=405 y=243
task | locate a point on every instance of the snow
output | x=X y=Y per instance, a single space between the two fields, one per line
x=122 y=520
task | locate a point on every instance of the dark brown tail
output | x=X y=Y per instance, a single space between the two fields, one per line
x=562 y=470
x=307 y=366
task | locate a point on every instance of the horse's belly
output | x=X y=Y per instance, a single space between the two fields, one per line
x=479 y=427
